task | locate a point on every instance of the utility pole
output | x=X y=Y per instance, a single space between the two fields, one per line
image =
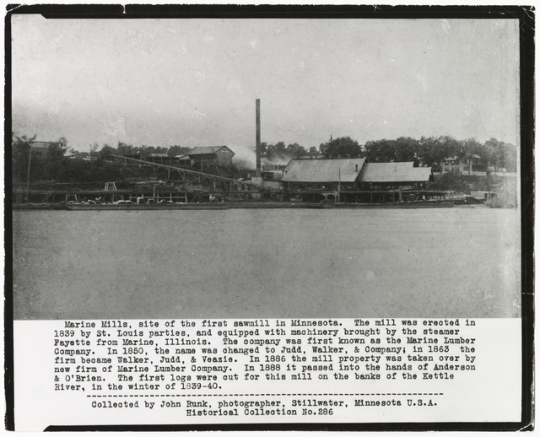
x=339 y=184
x=258 y=136
x=28 y=176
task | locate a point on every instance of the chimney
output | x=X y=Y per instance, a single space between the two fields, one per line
x=258 y=145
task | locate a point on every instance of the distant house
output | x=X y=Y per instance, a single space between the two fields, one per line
x=472 y=165
x=322 y=173
x=391 y=175
x=40 y=149
x=220 y=155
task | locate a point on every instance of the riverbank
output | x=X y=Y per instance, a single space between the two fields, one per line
x=227 y=205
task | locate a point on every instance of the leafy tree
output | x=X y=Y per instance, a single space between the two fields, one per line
x=380 y=151
x=125 y=149
x=108 y=150
x=511 y=157
x=450 y=181
x=433 y=150
x=55 y=159
x=264 y=148
x=344 y=147
x=75 y=170
x=63 y=143
x=295 y=150
x=94 y=148
x=279 y=151
x=501 y=155
x=406 y=150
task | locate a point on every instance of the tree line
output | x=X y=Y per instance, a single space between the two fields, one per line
x=432 y=151
x=335 y=147
x=54 y=165
x=423 y=152
x=143 y=151
x=427 y=151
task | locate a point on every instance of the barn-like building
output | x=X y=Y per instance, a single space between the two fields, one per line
x=219 y=155
x=354 y=174
x=322 y=173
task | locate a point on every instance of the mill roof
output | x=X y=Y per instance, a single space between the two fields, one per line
x=323 y=170
x=394 y=172
x=208 y=150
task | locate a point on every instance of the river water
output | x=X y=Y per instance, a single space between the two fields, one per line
x=241 y=263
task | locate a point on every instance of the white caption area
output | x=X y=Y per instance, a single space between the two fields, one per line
x=266 y=371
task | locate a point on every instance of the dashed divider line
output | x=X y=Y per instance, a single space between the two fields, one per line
x=267 y=394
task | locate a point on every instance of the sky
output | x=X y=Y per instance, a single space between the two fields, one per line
x=194 y=82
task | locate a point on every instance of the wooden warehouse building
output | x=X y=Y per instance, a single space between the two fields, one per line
x=220 y=155
x=393 y=175
x=322 y=174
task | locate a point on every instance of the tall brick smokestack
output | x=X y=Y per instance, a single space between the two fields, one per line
x=258 y=145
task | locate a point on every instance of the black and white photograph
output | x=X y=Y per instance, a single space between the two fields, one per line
x=266 y=168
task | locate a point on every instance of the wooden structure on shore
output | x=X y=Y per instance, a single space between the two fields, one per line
x=188 y=176
x=146 y=196
x=367 y=196
x=170 y=195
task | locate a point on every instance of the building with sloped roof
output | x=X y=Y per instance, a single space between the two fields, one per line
x=322 y=173
x=219 y=155
x=354 y=174
x=389 y=175
x=183 y=160
x=161 y=158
